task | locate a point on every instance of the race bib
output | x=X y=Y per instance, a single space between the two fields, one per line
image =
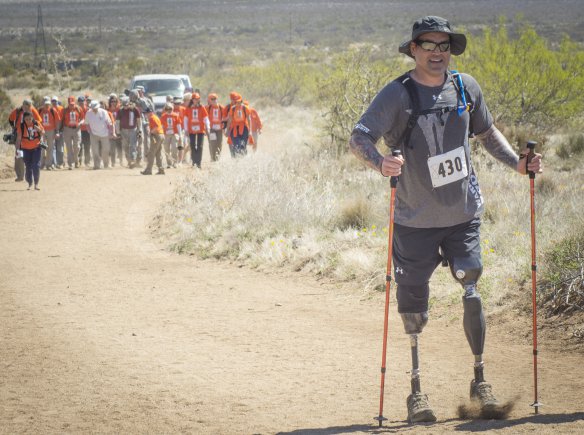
x=196 y=127
x=212 y=136
x=216 y=127
x=169 y=131
x=448 y=168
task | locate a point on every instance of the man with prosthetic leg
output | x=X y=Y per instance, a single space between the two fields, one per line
x=428 y=114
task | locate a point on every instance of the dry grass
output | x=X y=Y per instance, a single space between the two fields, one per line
x=296 y=208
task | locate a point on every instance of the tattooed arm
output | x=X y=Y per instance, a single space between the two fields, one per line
x=498 y=146
x=364 y=148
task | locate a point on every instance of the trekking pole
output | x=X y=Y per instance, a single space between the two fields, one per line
x=393 y=184
x=531 y=145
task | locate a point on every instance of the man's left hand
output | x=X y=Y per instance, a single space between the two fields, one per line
x=535 y=165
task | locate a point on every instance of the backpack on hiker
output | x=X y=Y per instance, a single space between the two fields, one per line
x=465 y=103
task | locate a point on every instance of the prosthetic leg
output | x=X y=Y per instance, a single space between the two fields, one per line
x=418 y=407
x=467 y=272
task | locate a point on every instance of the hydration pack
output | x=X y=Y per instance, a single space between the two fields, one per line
x=465 y=103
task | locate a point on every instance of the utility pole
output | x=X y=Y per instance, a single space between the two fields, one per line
x=40 y=35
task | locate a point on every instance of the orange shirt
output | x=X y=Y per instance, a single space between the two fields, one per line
x=215 y=116
x=226 y=110
x=155 y=124
x=84 y=109
x=30 y=138
x=256 y=122
x=195 y=119
x=20 y=112
x=51 y=118
x=171 y=122
x=72 y=116
x=59 y=109
x=239 y=115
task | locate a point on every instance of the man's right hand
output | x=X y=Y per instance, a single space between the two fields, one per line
x=391 y=165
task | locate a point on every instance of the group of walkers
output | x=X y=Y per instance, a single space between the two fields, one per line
x=59 y=136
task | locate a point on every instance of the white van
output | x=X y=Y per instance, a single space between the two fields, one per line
x=158 y=86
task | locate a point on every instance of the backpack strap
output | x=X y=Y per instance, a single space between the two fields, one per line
x=408 y=84
x=466 y=102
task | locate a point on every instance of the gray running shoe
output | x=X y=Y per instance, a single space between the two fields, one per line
x=483 y=394
x=419 y=410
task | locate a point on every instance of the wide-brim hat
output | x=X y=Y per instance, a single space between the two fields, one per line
x=434 y=24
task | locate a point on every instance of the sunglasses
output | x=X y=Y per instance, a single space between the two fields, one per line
x=431 y=46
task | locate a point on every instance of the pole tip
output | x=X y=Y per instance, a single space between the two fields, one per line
x=380 y=419
x=536 y=405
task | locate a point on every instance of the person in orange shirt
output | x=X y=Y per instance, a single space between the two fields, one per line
x=51 y=121
x=59 y=149
x=73 y=116
x=196 y=126
x=156 y=139
x=15 y=118
x=256 y=125
x=28 y=141
x=215 y=113
x=171 y=125
x=226 y=110
x=237 y=128
x=179 y=108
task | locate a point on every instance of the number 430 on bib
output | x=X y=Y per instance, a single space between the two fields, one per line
x=448 y=168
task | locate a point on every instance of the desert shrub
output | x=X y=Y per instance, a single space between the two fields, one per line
x=41 y=79
x=5 y=109
x=355 y=212
x=346 y=91
x=19 y=81
x=524 y=80
x=562 y=287
x=574 y=146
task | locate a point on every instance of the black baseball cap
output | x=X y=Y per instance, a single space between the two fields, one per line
x=434 y=24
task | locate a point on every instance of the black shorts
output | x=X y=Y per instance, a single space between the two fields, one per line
x=416 y=254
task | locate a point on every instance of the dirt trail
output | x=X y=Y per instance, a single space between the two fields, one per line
x=103 y=331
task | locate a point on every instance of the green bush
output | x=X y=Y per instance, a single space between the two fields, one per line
x=523 y=79
x=283 y=82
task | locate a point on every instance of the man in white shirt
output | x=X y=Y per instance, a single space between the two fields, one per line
x=100 y=128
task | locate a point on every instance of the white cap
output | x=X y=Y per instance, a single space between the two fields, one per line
x=94 y=104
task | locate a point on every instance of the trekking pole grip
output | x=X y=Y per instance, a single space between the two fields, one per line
x=393 y=181
x=531 y=145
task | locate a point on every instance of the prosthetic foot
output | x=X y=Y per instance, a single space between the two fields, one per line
x=484 y=404
x=419 y=410
x=481 y=391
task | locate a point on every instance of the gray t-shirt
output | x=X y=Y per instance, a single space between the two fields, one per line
x=438 y=186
